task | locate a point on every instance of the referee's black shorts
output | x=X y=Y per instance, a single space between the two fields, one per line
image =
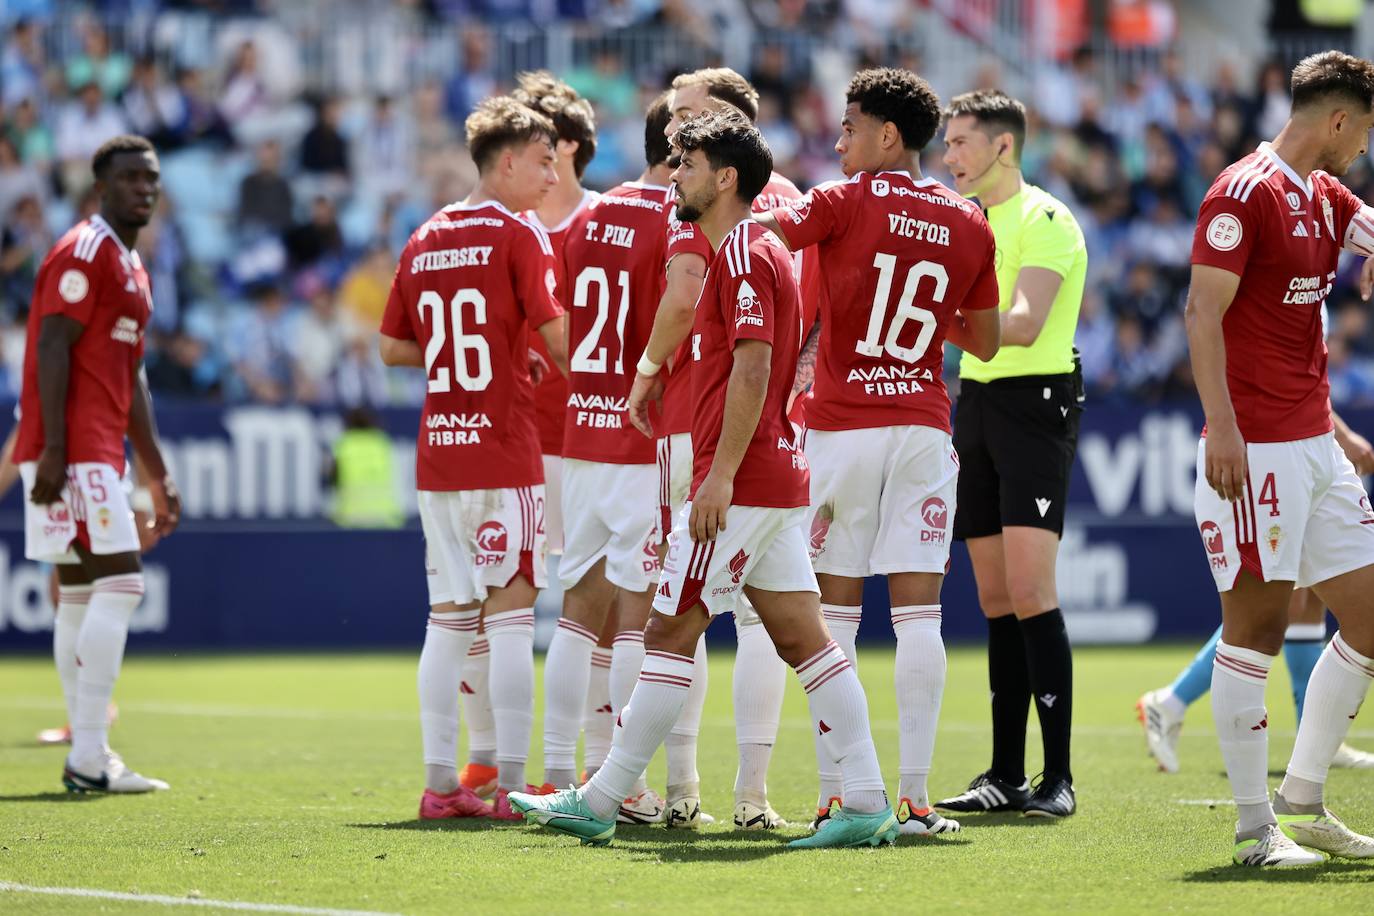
x=1016 y=439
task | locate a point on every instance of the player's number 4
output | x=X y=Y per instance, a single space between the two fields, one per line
x=471 y=355
x=907 y=310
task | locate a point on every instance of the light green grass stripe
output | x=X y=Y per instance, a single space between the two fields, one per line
x=165 y=900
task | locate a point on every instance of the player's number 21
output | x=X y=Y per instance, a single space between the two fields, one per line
x=907 y=310
x=472 y=374
x=588 y=357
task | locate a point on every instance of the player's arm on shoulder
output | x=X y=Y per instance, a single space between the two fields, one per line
x=1355 y=446
x=745 y=392
x=148 y=449
x=769 y=220
x=1210 y=294
x=398 y=352
x=1031 y=300
x=685 y=277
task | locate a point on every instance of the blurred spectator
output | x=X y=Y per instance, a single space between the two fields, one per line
x=1060 y=88
x=155 y=109
x=1272 y=103
x=324 y=151
x=265 y=197
x=606 y=85
x=365 y=289
x=31 y=136
x=82 y=126
x=98 y=64
x=202 y=120
x=244 y=96
x=263 y=352
x=17 y=179
x=321 y=339
x=475 y=78
x=317 y=237
x=24 y=243
x=385 y=151
x=21 y=63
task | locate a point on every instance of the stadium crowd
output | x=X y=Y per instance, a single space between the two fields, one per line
x=284 y=207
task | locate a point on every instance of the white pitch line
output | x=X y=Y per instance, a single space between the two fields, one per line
x=1207 y=802
x=166 y=900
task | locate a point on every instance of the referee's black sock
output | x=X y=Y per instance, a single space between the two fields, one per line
x=1010 y=685
x=1050 y=662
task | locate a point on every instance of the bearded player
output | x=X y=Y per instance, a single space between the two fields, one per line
x=909 y=264
x=743 y=528
x=1277 y=502
x=472 y=283
x=83 y=388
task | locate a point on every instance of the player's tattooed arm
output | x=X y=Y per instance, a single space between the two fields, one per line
x=56 y=336
x=1209 y=296
x=397 y=352
x=806 y=363
x=767 y=220
x=148 y=449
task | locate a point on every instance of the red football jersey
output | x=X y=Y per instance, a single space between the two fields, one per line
x=613 y=258
x=900 y=256
x=1282 y=236
x=750 y=294
x=551 y=394
x=685 y=238
x=471 y=284
x=89 y=276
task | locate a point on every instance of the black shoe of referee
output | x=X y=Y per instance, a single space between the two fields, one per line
x=1052 y=796
x=988 y=793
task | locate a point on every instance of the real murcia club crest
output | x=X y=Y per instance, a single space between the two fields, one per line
x=1330 y=218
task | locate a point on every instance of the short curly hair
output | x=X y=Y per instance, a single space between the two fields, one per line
x=995 y=112
x=899 y=96
x=1332 y=74
x=572 y=115
x=124 y=143
x=503 y=121
x=729 y=140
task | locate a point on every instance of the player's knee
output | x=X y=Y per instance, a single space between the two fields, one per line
x=675 y=634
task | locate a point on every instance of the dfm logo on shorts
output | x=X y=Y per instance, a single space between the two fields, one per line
x=1211 y=539
x=935 y=514
x=491 y=543
x=650 y=560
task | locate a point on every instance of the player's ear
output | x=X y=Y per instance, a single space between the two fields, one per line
x=727 y=178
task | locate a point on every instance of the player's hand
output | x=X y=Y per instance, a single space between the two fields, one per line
x=539 y=367
x=49 y=477
x=1226 y=463
x=645 y=389
x=1358 y=450
x=166 y=506
x=1367 y=279
x=709 y=506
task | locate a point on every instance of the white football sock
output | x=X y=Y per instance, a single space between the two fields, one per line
x=511 y=684
x=1335 y=691
x=599 y=722
x=627 y=660
x=1238 y=678
x=680 y=747
x=758 y=683
x=100 y=652
x=567 y=669
x=477 y=704
x=842 y=620
x=72 y=601
x=839 y=711
x=920 y=682
x=447 y=638
x=657 y=701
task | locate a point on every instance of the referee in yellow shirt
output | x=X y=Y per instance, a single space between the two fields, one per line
x=1016 y=432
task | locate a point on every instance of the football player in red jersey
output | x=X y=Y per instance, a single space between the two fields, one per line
x=743 y=528
x=574 y=146
x=614 y=267
x=760 y=677
x=1274 y=488
x=83 y=388
x=909 y=264
x=472 y=282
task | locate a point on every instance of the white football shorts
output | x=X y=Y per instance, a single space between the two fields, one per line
x=93 y=508
x=553 y=506
x=611 y=511
x=476 y=540
x=1305 y=517
x=761 y=547
x=882 y=500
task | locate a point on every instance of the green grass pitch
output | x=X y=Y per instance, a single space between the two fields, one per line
x=295 y=781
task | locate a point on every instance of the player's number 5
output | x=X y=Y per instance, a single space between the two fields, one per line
x=471 y=355
x=907 y=310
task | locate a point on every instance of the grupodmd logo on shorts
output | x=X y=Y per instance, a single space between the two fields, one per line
x=1224 y=232
x=1211 y=539
x=935 y=514
x=491 y=543
x=748 y=310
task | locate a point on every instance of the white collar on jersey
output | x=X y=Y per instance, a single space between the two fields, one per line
x=587 y=196
x=1268 y=150
x=924 y=182
x=131 y=255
